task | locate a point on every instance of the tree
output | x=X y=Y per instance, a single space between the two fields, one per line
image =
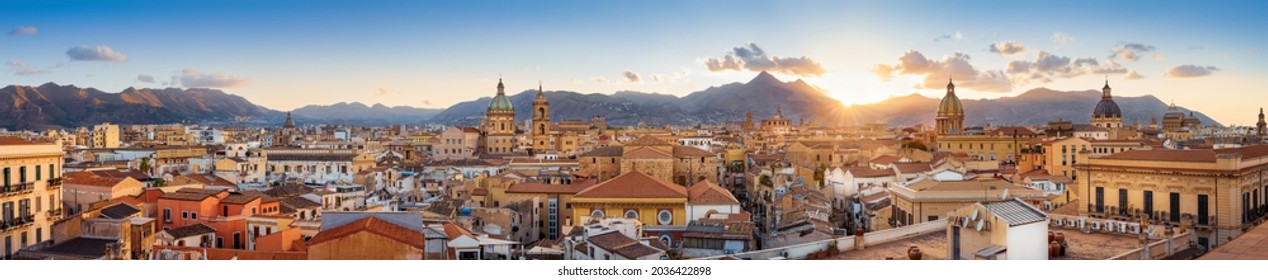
x=145 y=165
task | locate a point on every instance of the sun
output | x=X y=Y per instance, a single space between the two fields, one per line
x=863 y=88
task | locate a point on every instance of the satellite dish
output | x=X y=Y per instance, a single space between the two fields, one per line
x=966 y=223
x=1005 y=195
x=974 y=215
x=980 y=224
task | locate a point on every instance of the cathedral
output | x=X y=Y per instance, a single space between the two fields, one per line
x=1107 y=115
x=950 y=119
x=499 y=124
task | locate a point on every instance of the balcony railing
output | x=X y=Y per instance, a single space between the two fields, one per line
x=54 y=183
x=17 y=222
x=54 y=214
x=18 y=188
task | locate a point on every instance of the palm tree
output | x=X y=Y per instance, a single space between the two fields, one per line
x=145 y=165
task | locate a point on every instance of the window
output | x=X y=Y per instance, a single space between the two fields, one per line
x=224 y=210
x=631 y=214
x=1204 y=217
x=596 y=213
x=1175 y=207
x=167 y=215
x=1100 y=199
x=252 y=210
x=38 y=203
x=22 y=174
x=1149 y=204
x=193 y=216
x=6 y=177
x=665 y=217
x=185 y=215
x=50 y=171
x=37 y=172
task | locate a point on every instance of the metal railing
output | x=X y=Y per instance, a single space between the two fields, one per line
x=18 y=188
x=54 y=182
x=17 y=222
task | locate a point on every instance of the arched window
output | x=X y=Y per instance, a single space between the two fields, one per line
x=631 y=214
x=596 y=213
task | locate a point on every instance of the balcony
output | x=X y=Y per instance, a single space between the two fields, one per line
x=54 y=214
x=18 y=189
x=17 y=222
x=54 y=183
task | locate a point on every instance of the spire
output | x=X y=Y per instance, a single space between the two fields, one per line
x=501 y=88
x=540 y=93
x=289 y=121
x=950 y=86
x=779 y=110
x=1105 y=91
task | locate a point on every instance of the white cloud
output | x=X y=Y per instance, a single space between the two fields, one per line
x=957 y=36
x=631 y=77
x=95 y=53
x=656 y=78
x=1008 y=48
x=191 y=78
x=1130 y=51
x=1060 y=39
x=1133 y=76
x=1190 y=71
x=752 y=58
x=382 y=91
x=936 y=72
x=24 y=30
x=22 y=69
x=145 y=78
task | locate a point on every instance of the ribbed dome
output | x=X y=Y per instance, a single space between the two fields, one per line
x=501 y=103
x=1107 y=108
x=950 y=105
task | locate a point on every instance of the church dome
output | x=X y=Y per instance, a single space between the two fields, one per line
x=1107 y=108
x=500 y=102
x=1173 y=113
x=950 y=105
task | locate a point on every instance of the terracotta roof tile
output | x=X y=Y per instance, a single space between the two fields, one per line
x=14 y=140
x=647 y=153
x=372 y=225
x=622 y=245
x=609 y=151
x=865 y=172
x=706 y=192
x=190 y=230
x=80 y=178
x=634 y=185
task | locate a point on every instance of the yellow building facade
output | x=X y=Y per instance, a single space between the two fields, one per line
x=633 y=195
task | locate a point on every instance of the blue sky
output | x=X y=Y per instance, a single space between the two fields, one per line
x=286 y=54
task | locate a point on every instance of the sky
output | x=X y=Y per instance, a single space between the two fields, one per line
x=1205 y=56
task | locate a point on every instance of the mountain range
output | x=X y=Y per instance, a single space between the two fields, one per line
x=51 y=105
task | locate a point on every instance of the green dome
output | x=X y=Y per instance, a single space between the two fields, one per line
x=500 y=102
